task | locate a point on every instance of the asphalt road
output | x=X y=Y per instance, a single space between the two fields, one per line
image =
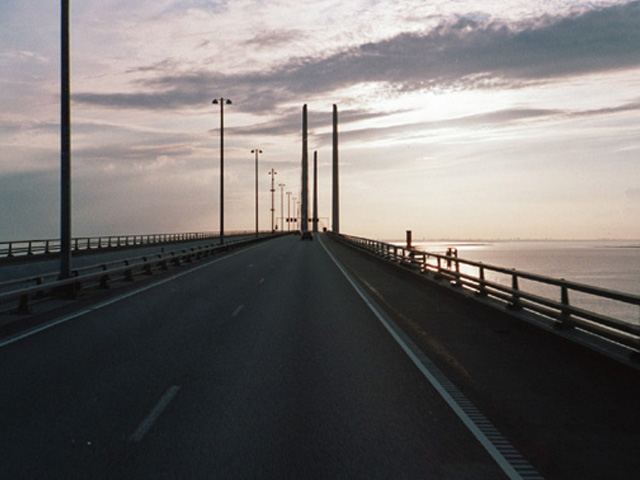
x=264 y=363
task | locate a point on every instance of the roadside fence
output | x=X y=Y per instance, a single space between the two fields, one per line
x=519 y=291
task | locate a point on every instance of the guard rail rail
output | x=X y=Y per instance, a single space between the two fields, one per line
x=472 y=276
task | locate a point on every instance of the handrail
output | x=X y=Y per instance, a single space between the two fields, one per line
x=103 y=272
x=20 y=248
x=560 y=310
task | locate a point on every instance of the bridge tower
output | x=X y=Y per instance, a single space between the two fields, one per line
x=315 y=192
x=336 y=188
x=304 y=215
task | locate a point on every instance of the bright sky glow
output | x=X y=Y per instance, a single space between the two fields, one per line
x=458 y=119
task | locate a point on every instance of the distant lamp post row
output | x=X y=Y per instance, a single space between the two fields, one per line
x=222 y=102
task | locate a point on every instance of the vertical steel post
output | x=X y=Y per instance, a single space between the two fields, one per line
x=65 y=146
x=273 y=174
x=222 y=102
x=305 y=173
x=221 y=171
x=315 y=191
x=281 y=185
x=256 y=151
x=336 y=187
x=288 y=211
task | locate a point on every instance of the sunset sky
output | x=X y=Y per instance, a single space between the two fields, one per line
x=458 y=119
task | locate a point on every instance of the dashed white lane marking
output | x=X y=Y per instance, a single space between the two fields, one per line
x=150 y=419
x=237 y=310
x=514 y=465
x=98 y=306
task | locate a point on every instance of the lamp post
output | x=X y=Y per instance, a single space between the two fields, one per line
x=65 y=146
x=288 y=211
x=281 y=185
x=222 y=102
x=273 y=174
x=295 y=214
x=256 y=151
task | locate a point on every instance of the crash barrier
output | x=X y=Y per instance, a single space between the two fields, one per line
x=26 y=290
x=21 y=248
x=513 y=294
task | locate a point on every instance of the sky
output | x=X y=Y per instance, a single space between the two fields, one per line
x=458 y=119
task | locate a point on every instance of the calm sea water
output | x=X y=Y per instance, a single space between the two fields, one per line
x=614 y=265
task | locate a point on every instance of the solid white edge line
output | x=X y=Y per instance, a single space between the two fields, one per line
x=150 y=419
x=502 y=462
x=98 y=306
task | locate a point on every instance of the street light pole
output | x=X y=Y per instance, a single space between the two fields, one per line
x=256 y=151
x=273 y=174
x=295 y=212
x=281 y=185
x=288 y=211
x=65 y=146
x=222 y=102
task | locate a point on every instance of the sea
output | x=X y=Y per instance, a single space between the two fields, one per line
x=609 y=264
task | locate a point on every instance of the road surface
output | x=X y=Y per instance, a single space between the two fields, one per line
x=264 y=363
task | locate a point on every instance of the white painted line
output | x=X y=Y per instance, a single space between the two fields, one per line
x=237 y=311
x=150 y=419
x=98 y=306
x=437 y=379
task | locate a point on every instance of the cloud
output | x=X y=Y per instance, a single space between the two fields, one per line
x=273 y=39
x=466 y=53
x=633 y=194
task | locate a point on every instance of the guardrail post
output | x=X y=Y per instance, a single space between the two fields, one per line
x=565 y=313
x=515 y=301
x=40 y=294
x=458 y=282
x=10 y=252
x=147 y=266
x=46 y=247
x=30 y=249
x=481 y=286
x=23 y=306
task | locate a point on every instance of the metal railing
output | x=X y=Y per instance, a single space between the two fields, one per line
x=21 y=248
x=25 y=290
x=473 y=276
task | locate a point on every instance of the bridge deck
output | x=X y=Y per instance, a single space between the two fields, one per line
x=266 y=363
x=572 y=412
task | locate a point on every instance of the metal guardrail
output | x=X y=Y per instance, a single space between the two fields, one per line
x=20 y=248
x=101 y=274
x=471 y=276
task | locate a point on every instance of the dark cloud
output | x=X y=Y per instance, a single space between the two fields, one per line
x=290 y=122
x=467 y=53
x=273 y=39
x=409 y=130
x=627 y=107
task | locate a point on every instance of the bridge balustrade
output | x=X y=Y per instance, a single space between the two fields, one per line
x=520 y=291
x=21 y=248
